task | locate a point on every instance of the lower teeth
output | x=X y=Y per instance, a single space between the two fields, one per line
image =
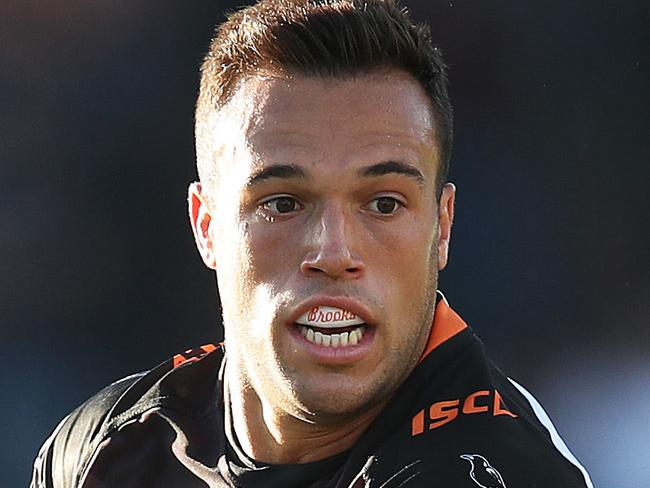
x=344 y=339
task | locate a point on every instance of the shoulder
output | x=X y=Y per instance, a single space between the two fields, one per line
x=503 y=428
x=65 y=455
x=538 y=417
x=458 y=413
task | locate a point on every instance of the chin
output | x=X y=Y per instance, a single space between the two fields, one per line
x=330 y=408
x=339 y=398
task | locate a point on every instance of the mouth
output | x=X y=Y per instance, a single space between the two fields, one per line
x=332 y=327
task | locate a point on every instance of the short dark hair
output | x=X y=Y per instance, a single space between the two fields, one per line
x=325 y=38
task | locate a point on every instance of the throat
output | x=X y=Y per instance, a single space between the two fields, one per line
x=258 y=430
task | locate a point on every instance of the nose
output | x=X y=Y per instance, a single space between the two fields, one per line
x=329 y=250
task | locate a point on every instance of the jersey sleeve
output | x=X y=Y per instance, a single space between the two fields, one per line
x=63 y=456
x=552 y=434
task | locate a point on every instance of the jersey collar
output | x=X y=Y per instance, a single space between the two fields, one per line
x=446 y=324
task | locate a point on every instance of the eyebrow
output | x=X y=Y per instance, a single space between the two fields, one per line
x=288 y=171
x=393 y=167
x=284 y=171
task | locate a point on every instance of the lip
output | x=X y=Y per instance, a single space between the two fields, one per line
x=329 y=355
x=345 y=303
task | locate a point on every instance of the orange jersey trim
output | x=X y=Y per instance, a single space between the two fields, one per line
x=446 y=324
x=192 y=355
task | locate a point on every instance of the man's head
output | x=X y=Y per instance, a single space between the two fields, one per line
x=323 y=131
x=330 y=39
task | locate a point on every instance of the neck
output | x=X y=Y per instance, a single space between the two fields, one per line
x=275 y=436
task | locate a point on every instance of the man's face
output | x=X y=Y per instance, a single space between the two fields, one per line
x=325 y=197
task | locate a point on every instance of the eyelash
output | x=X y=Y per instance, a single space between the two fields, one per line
x=398 y=204
x=272 y=215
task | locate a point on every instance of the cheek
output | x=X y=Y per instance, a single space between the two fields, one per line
x=234 y=267
x=261 y=277
x=246 y=295
x=408 y=267
x=272 y=252
x=412 y=245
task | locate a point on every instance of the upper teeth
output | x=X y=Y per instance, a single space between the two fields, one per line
x=329 y=318
x=343 y=339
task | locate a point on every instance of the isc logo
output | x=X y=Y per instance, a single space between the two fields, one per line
x=441 y=413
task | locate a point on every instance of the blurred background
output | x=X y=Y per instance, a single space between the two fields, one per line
x=550 y=257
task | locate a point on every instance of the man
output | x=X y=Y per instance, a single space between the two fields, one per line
x=323 y=134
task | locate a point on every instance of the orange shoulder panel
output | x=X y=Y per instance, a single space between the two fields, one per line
x=446 y=324
x=193 y=354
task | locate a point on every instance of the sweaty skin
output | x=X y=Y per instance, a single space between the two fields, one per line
x=324 y=194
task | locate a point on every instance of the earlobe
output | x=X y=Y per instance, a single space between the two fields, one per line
x=200 y=220
x=445 y=222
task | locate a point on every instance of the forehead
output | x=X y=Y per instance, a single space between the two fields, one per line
x=310 y=118
x=390 y=100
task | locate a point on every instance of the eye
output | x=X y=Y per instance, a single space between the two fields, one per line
x=280 y=205
x=384 y=205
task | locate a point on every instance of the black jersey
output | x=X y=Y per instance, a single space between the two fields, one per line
x=457 y=421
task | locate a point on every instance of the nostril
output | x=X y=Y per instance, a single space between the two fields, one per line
x=330 y=268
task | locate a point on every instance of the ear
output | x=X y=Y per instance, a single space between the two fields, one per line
x=200 y=220
x=445 y=221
